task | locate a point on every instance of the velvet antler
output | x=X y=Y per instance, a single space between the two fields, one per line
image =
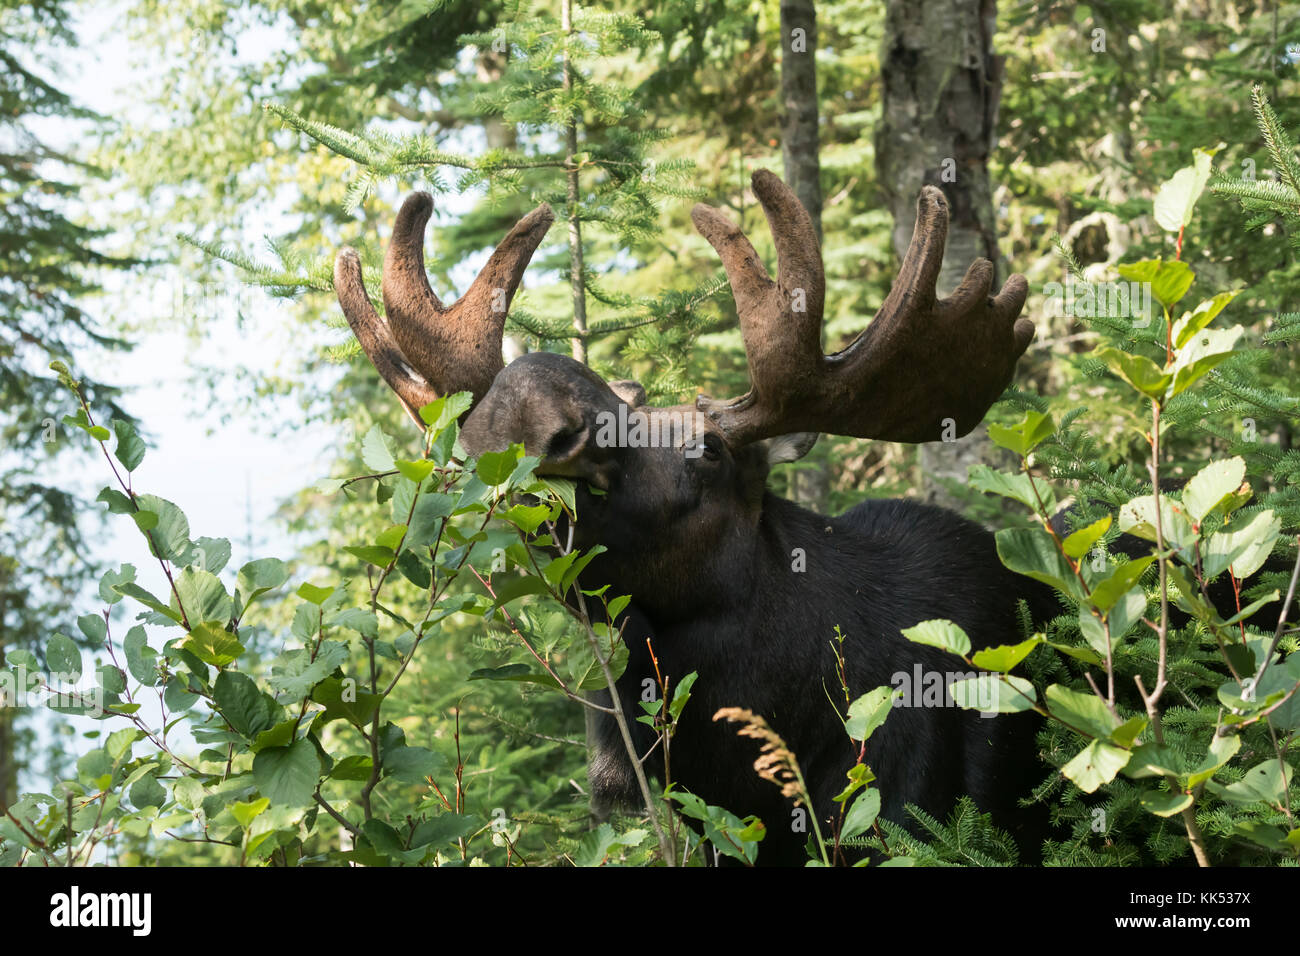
x=924 y=367
x=422 y=348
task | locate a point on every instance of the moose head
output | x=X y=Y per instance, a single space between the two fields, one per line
x=923 y=369
x=677 y=495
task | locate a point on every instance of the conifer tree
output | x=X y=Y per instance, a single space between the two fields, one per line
x=584 y=148
x=44 y=260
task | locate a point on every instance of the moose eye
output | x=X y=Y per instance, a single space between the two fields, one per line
x=709 y=448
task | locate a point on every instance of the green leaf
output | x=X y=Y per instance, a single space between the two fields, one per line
x=377 y=450
x=132 y=590
x=1127 y=733
x=316 y=595
x=359 y=619
x=1032 y=552
x=413 y=764
x=597 y=844
x=202 y=596
x=1024 y=437
x=287 y=776
x=140 y=657
x=1166 y=804
x=443 y=411
x=446 y=828
x=213 y=644
x=563 y=489
x=1212 y=485
x=1267 y=836
x=210 y=554
x=345 y=701
x=111 y=679
x=391 y=537
x=297 y=673
x=1222 y=749
x=246 y=813
x=1177 y=196
x=859 y=776
x=1153 y=760
x=258 y=577
x=1266 y=782
x=63 y=657
x=1251 y=546
x=1138 y=518
x=681 y=695
x=1034 y=492
x=519 y=586
x=387 y=842
x=1279 y=679
x=170 y=535
x=1123 y=579
x=147 y=792
x=495 y=467
x=245 y=706
x=1005 y=656
x=130 y=448
x=118 y=503
x=416 y=471
x=1096 y=764
x=1171 y=282
x=111 y=579
x=1139 y=371
x=1206 y=350
x=1205 y=313
x=281 y=735
x=1080 y=542
x=431 y=510
x=528 y=517
x=940 y=633
x=94 y=627
x=862 y=814
x=1086 y=713
x=373 y=554
x=868 y=712
x=354 y=767
x=188 y=792
x=994 y=694
x=177 y=698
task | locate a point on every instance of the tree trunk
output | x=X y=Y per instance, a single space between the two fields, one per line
x=942 y=84
x=799 y=153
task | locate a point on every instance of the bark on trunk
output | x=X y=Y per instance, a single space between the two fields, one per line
x=799 y=153
x=942 y=84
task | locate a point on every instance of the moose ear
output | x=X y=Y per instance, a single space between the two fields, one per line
x=791 y=447
x=629 y=391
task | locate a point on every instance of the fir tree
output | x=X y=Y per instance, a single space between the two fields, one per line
x=583 y=147
x=44 y=260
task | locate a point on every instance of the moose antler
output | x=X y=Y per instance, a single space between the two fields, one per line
x=422 y=348
x=920 y=365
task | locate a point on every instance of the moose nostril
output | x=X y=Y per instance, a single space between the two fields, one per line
x=564 y=443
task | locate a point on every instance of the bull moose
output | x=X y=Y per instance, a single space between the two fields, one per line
x=730 y=581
